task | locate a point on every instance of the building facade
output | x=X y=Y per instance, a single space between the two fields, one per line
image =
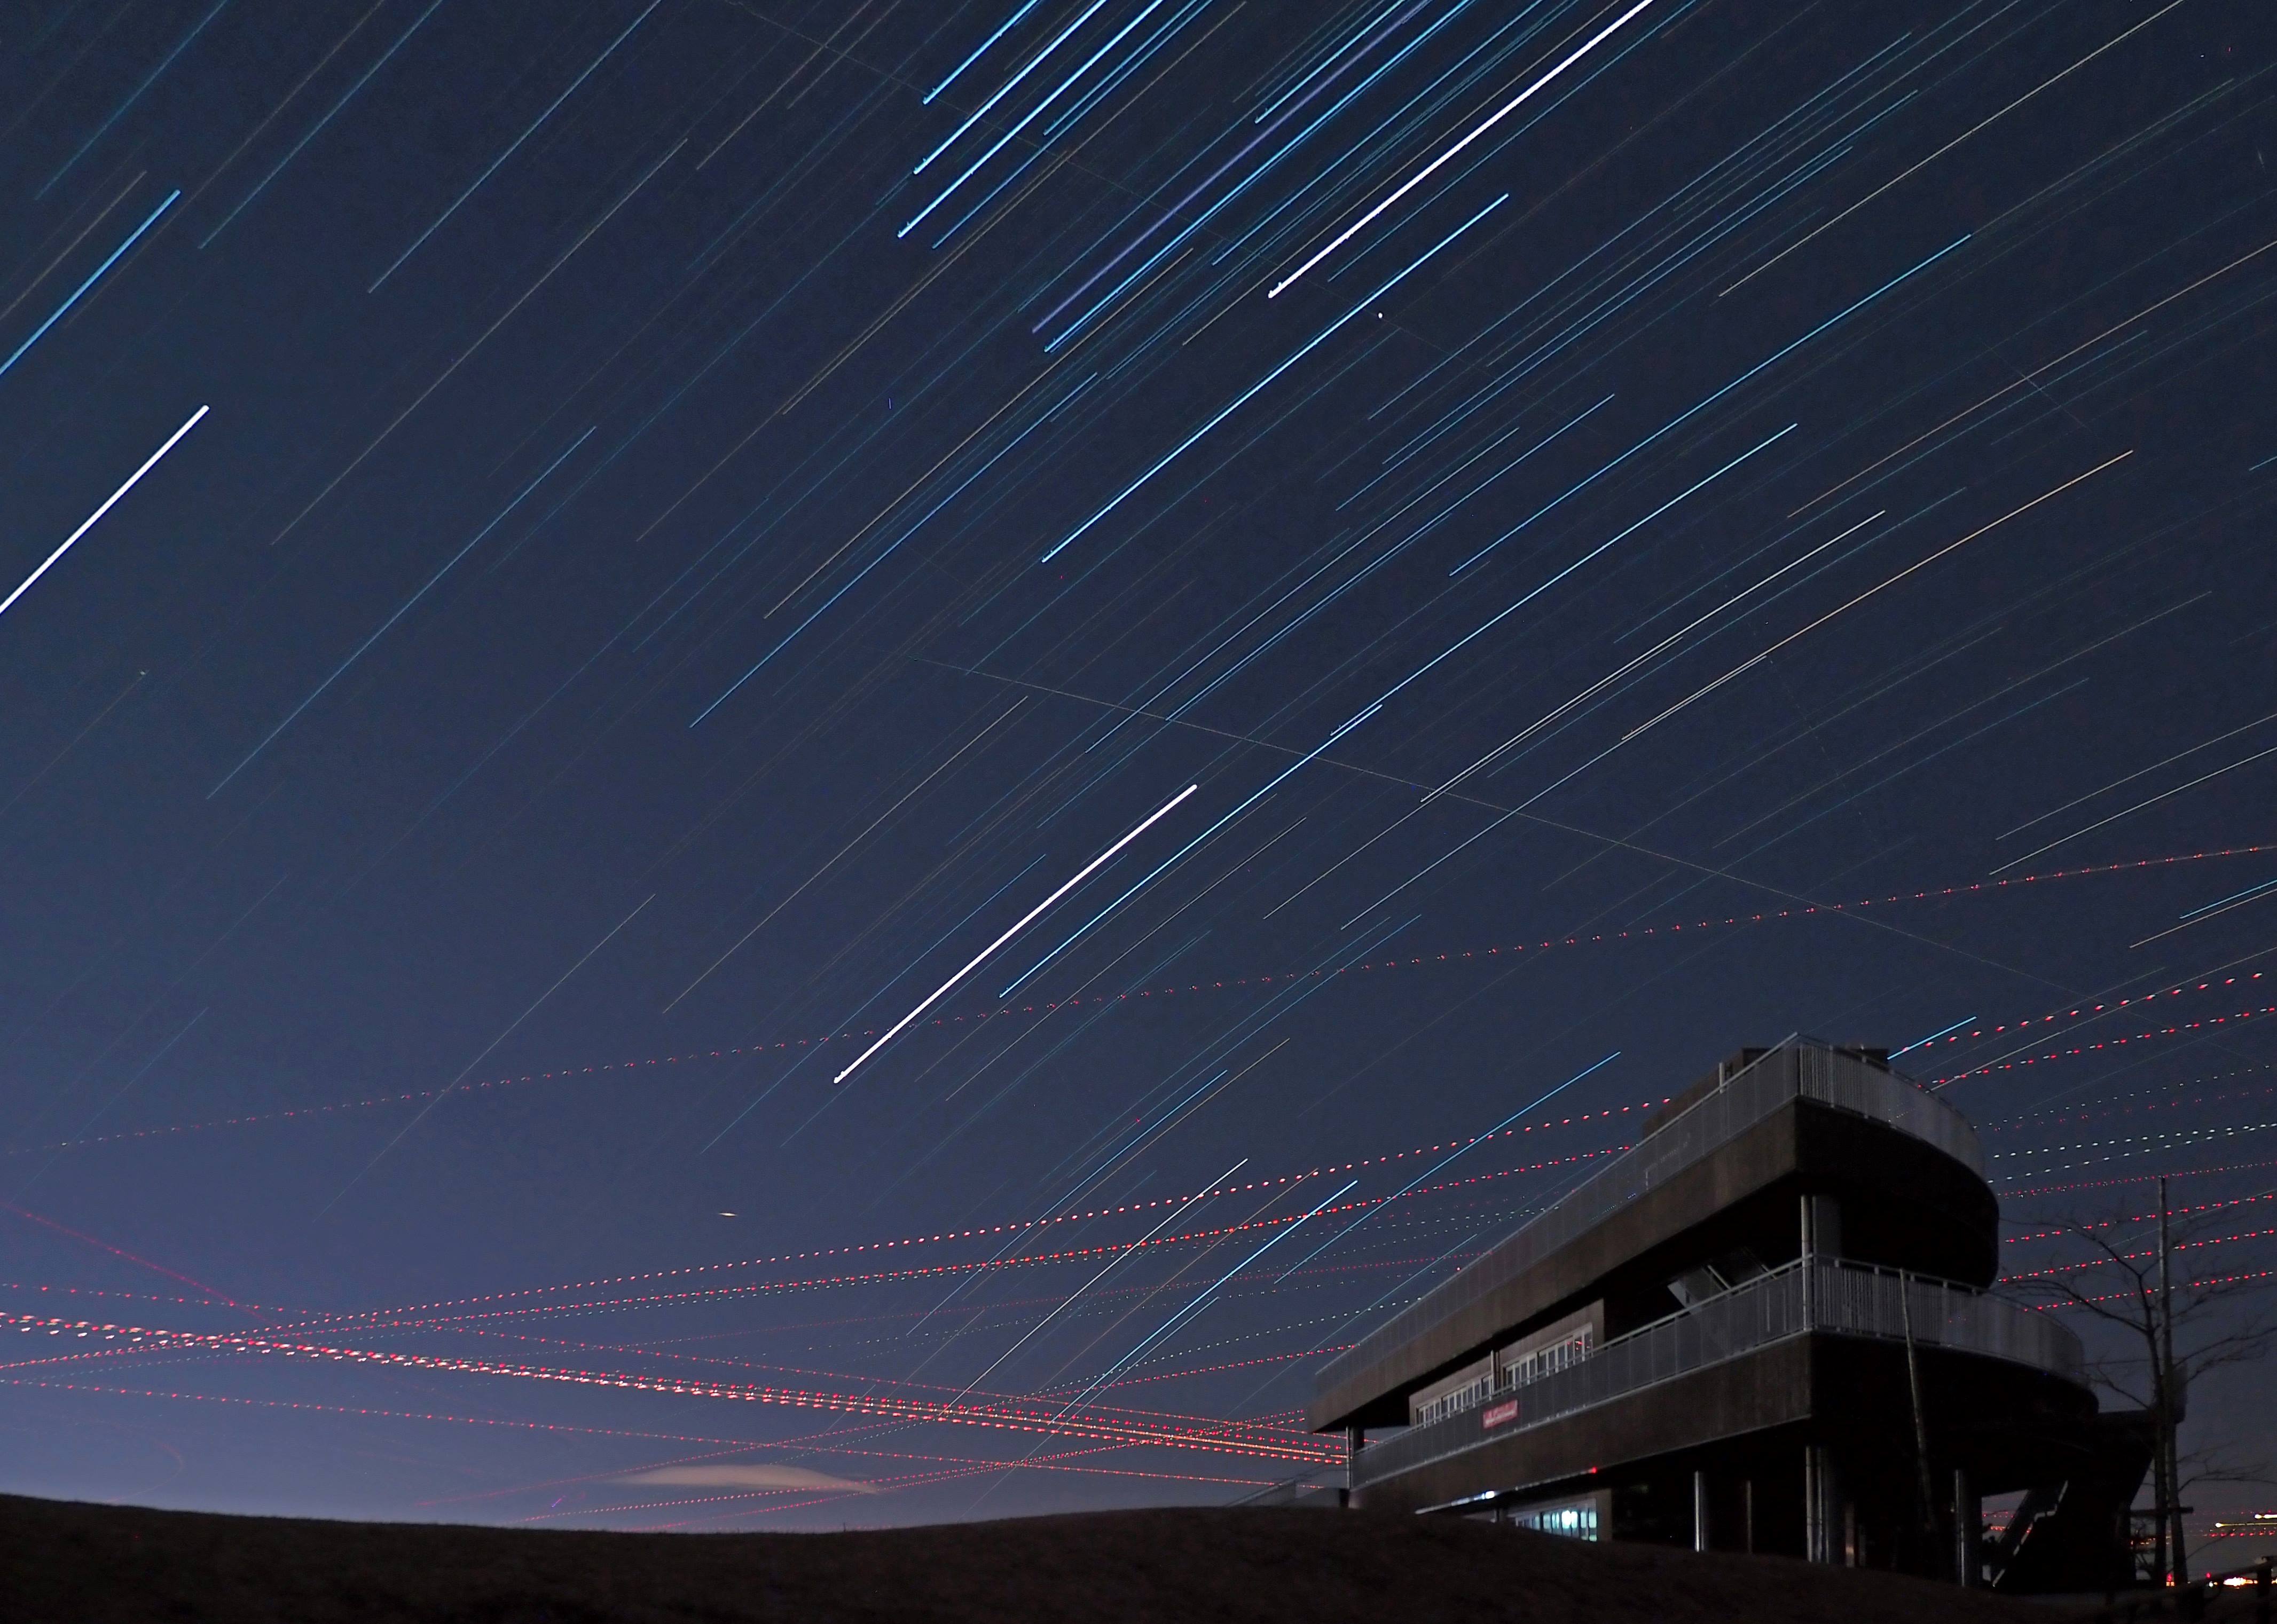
x=1765 y=1327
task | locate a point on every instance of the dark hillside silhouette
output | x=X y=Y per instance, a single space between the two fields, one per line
x=115 y=1564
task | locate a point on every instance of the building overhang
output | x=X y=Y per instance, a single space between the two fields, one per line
x=1949 y=1214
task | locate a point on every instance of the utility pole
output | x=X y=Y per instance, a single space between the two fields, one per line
x=2168 y=1400
x=1920 y=1424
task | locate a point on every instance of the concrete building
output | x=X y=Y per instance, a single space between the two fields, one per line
x=1763 y=1328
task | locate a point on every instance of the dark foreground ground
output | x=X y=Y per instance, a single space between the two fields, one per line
x=81 y=1564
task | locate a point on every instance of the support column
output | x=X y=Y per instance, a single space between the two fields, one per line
x=1355 y=1441
x=1817 y=1547
x=1699 y=1511
x=1825 y=1529
x=1822 y=1242
x=1821 y=1226
x=1968 y=1517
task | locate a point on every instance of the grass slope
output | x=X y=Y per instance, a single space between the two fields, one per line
x=108 y=1565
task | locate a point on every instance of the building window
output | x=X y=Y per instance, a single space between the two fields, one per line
x=1575 y=1520
x=1448 y=1403
x=1542 y=1362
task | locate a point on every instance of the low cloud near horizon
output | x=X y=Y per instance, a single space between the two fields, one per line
x=728 y=1475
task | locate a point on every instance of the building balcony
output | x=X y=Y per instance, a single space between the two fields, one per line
x=1807 y=1297
x=1717 y=1170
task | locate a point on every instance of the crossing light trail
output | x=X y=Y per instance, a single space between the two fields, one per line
x=1025 y=920
x=109 y=502
x=1450 y=958
x=547 y=1301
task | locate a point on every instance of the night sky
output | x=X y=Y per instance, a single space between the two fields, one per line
x=637 y=550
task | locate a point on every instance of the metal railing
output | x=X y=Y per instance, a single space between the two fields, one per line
x=1794 y=1070
x=1823 y=1295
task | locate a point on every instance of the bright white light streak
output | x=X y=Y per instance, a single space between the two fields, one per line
x=1255 y=796
x=1426 y=172
x=108 y=502
x=1026 y=919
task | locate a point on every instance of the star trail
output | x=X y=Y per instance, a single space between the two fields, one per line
x=970 y=725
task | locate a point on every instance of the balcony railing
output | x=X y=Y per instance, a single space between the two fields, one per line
x=1794 y=1070
x=1822 y=1295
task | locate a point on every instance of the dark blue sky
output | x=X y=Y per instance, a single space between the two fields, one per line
x=707 y=515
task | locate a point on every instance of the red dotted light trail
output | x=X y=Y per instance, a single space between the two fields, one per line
x=1229 y=1437
x=2139 y=1218
x=1024 y=1225
x=416 y=1316
x=1413 y=961
x=2135 y=1178
x=2206 y=1025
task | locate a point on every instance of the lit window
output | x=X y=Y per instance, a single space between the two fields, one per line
x=1575 y=1520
